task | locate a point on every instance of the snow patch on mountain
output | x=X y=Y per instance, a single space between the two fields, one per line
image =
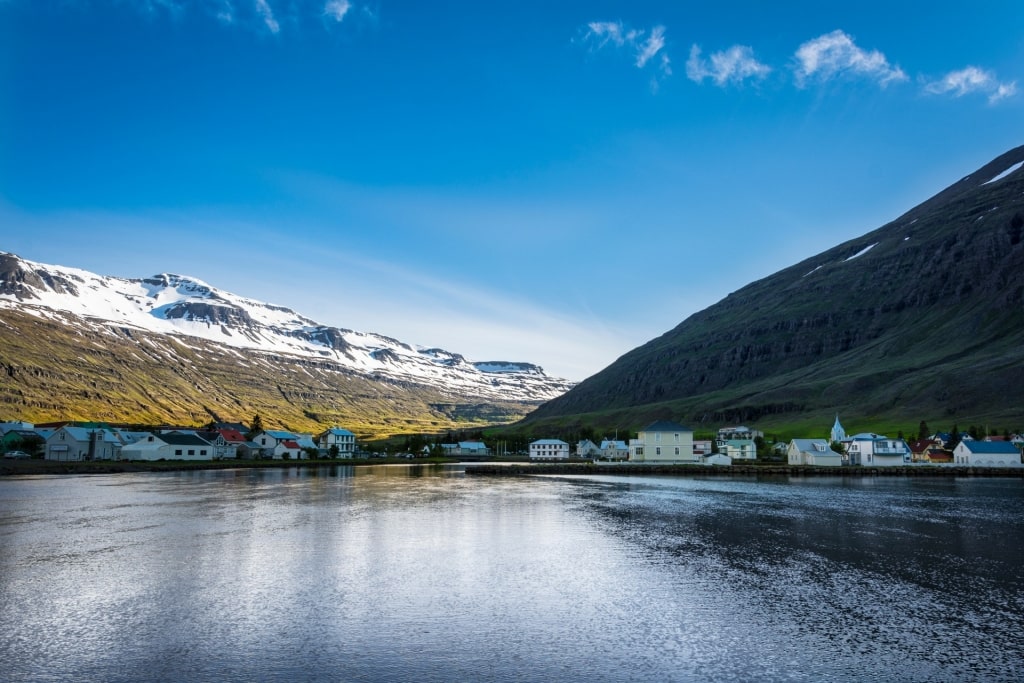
x=861 y=252
x=1005 y=173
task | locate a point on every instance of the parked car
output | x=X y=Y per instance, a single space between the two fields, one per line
x=16 y=455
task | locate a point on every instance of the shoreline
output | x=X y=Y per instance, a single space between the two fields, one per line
x=682 y=470
x=30 y=467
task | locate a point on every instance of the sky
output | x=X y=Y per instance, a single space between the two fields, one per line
x=549 y=182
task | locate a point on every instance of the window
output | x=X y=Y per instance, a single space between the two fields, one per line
x=202 y=452
x=657 y=451
x=191 y=451
x=657 y=437
x=177 y=451
x=677 y=438
x=677 y=450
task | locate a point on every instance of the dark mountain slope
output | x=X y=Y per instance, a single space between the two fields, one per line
x=927 y=322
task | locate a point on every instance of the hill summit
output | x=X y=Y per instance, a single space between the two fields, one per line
x=922 y=318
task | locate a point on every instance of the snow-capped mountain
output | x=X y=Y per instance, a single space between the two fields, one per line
x=187 y=308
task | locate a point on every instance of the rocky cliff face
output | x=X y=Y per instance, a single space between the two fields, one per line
x=921 y=317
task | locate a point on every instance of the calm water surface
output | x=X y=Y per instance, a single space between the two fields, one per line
x=425 y=574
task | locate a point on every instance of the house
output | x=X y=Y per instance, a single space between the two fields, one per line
x=587 y=449
x=336 y=436
x=663 y=441
x=738 y=432
x=287 y=449
x=703 y=447
x=718 y=459
x=549 y=449
x=222 y=448
x=22 y=440
x=815 y=452
x=876 y=450
x=613 y=449
x=986 y=454
x=738 y=449
x=169 y=446
x=82 y=443
x=268 y=439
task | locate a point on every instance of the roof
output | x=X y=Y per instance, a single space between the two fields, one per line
x=548 y=442
x=179 y=439
x=808 y=445
x=288 y=443
x=279 y=435
x=472 y=444
x=608 y=443
x=665 y=426
x=990 y=447
x=338 y=431
x=232 y=435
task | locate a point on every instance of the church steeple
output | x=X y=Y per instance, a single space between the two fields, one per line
x=838 y=433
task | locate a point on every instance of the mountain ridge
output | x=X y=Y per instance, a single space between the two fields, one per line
x=204 y=321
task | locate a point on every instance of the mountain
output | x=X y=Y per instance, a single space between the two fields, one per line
x=922 y=318
x=170 y=348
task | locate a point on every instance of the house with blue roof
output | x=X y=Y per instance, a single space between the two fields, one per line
x=813 y=452
x=336 y=436
x=986 y=454
x=663 y=441
x=83 y=443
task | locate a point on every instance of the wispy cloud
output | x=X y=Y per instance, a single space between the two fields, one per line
x=972 y=80
x=835 y=54
x=735 y=65
x=337 y=9
x=267 y=14
x=648 y=46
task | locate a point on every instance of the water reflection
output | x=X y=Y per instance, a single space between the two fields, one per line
x=420 y=573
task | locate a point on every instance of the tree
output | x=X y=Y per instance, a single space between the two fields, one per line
x=257 y=424
x=954 y=438
x=838 y=447
x=333 y=451
x=922 y=431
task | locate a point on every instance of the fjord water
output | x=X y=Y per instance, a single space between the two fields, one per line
x=427 y=574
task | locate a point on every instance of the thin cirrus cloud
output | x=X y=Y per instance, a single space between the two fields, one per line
x=648 y=47
x=834 y=55
x=735 y=65
x=972 y=80
x=261 y=16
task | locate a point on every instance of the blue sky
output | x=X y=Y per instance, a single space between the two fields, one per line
x=554 y=182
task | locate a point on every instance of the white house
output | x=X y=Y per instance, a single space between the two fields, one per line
x=587 y=449
x=663 y=441
x=287 y=449
x=738 y=449
x=549 y=449
x=738 y=432
x=169 y=446
x=812 y=452
x=986 y=454
x=268 y=440
x=876 y=450
x=716 y=459
x=81 y=443
x=336 y=436
x=614 y=450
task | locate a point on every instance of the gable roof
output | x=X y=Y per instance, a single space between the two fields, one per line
x=180 y=439
x=231 y=435
x=990 y=447
x=811 y=446
x=665 y=426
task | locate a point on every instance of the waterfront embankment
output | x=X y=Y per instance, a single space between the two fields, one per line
x=685 y=470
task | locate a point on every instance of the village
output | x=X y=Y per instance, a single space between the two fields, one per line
x=662 y=442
